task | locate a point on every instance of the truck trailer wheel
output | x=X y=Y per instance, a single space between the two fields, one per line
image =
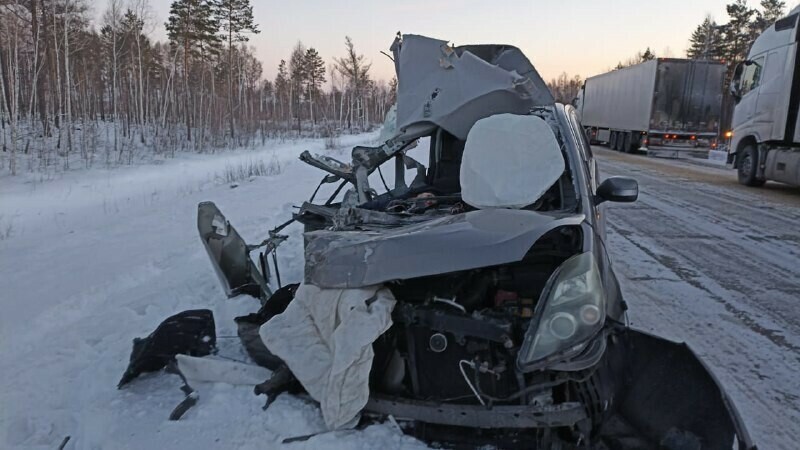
x=748 y=167
x=626 y=145
x=612 y=141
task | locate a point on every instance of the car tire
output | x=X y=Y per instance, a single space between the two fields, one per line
x=748 y=167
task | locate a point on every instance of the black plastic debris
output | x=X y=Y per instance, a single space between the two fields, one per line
x=191 y=395
x=282 y=380
x=247 y=326
x=190 y=332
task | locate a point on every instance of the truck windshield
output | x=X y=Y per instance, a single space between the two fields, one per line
x=751 y=76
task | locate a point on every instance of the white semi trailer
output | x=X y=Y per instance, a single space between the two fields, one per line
x=666 y=106
x=766 y=120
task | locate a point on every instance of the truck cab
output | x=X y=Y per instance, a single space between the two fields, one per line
x=766 y=88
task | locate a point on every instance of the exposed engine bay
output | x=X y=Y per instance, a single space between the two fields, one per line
x=469 y=326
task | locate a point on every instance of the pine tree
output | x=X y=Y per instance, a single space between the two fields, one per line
x=739 y=32
x=640 y=57
x=772 y=11
x=647 y=55
x=297 y=80
x=236 y=19
x=282 y=85
x=315 y=76
x=355 y=70
x=705 y=41
x=193 y=26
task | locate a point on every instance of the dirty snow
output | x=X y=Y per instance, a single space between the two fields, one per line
x=94 y=259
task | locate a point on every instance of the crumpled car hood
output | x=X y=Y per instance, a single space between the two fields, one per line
x=454 y=87
x=352 y=259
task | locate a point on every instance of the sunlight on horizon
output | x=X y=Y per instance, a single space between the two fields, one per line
x=579 y=38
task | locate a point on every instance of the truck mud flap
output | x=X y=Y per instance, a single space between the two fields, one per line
x=229 y=254
x=677 y=153
x=669 y=397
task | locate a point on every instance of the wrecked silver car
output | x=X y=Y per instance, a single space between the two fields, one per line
x=475 y=303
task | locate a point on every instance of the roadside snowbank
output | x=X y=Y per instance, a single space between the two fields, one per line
x=97 y=258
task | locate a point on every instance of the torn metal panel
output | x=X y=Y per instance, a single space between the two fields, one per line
x=448 y=244
x=229 y=254
x=664 y=389
x=453 y=87
x=350 y=218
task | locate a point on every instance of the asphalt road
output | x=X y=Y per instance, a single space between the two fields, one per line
x=704 y=260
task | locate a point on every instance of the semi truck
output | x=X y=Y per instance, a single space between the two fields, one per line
x=666 y=107
x=766 y=119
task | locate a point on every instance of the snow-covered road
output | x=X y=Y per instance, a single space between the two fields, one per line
x=96 y=259
x=704 y=260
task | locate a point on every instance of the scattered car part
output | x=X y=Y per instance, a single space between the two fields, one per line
x=248 y=326
x=189 y=332
x=191 y=395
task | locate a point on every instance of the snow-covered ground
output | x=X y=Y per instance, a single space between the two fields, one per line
x=91 y=260
x=96 y=258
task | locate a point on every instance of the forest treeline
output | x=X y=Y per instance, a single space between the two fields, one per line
x=74 y=90
x=78 y=90
x=728 y=43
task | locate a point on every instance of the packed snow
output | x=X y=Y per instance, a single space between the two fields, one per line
x=95 y=258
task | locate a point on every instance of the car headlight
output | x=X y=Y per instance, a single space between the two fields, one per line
x=570 y=313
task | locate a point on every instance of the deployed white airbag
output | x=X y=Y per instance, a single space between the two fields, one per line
x=509 y=161
x=325 y=336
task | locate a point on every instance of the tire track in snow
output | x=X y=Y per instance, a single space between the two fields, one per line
x=730 y=246
x=721 y=273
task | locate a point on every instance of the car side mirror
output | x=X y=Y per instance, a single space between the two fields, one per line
x=617 y=189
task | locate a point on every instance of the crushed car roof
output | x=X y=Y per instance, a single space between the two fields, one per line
x=454 y=87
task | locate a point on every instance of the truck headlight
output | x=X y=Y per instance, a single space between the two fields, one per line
x=570 y=313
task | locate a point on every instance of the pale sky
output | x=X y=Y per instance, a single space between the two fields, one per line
x=583 y=37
